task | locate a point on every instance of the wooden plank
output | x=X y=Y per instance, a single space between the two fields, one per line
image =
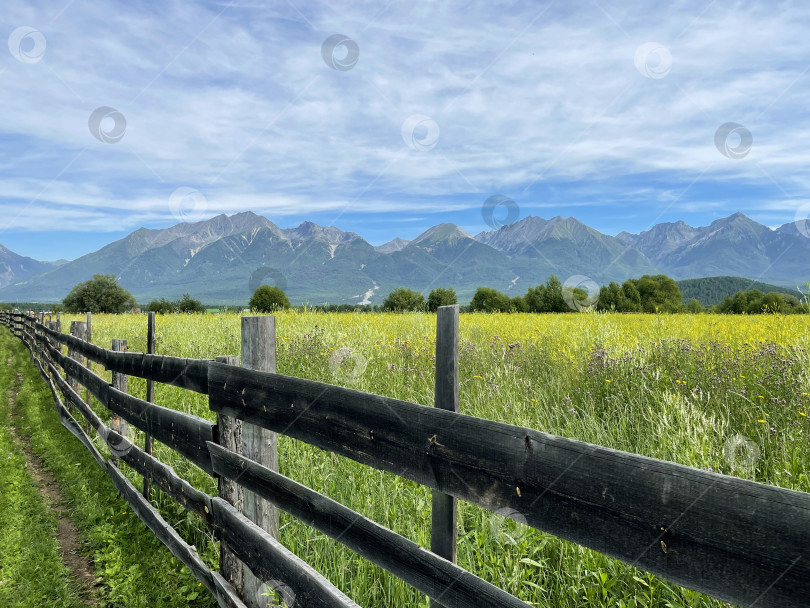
x=258 y=346
x=427 y=572
x=164 y=532
x=443 y=513
x=190 y=374
x=119 y=382
x=734 y=539
x=87 y=337
x=75 y=400
x=274 y=563
x=148 y=443
x=70 y=424
x=98 y=386
x=77 y=330
x=227 y=596
x=184 y=433
x=167 y=480
x=229 y=435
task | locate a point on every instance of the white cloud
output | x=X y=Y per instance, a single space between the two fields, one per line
x=242 y=107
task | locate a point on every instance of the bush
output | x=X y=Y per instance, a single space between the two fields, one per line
x=487 y=299
x=161 y=306
x=185 y=304
x=268 y=299
x=441 y=296
x=102 y=293
x=189 y=304
x=403 y=299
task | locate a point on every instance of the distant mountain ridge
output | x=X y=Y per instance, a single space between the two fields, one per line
x=713 y=290
x=14 y=267
x=219 y=260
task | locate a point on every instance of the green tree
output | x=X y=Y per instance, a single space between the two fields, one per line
x=441 y=296
x=487 y=299
x=404 y=299
x=161 y=306
x=694 y=306
x=102 y=293
x=189 y=304
x=659 y=293
x=268 y=299
x=519 y=304
x=632 y=297
x=553 y=300
x=535 y=299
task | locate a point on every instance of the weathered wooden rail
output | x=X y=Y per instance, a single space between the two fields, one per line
x=739 y=541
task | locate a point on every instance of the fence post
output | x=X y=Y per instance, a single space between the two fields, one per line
x=87 y=338
x=443 y=528
x=119 y=381
x=258 y=444
x=77 y=329
x=57 y=326
x=230 y=437
x=148 y=443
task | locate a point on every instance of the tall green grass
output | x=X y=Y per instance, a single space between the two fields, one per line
x=724 y=394
x=137 y=570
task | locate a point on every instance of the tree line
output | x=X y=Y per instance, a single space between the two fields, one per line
x=649 y=294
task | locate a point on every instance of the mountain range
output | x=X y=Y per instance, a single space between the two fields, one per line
x=223 y=259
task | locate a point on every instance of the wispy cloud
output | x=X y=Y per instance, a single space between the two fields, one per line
x=235 y=100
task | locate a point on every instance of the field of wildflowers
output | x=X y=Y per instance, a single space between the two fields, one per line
x=729 y=394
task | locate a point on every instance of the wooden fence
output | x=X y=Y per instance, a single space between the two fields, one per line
x=737 y=540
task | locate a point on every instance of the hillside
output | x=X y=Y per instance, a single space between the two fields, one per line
x=712 y=290
x=225 y=258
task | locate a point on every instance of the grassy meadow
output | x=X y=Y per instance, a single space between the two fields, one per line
x=723 y=393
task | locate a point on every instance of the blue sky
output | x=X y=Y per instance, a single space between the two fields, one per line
x=604 y=110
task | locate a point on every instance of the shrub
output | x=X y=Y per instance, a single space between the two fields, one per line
x=268 y=299
x=487 y=299
x=102 y=293
x=403 y=299
x=441 y=296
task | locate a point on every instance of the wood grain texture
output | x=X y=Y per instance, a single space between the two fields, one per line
x=118 y=382
x=229 y=435
x=429 y=573
x=258 y=352
x=168 y=535
x=443 y=506
x=190 y=374
x=274 y=563
x=148 y=443
x=184 y=433
x=734 y=539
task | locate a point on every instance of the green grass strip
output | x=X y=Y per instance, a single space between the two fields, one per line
x=137 y=570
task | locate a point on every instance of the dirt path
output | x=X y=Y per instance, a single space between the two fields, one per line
x=66 y=534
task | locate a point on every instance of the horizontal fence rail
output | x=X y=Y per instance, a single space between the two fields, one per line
x=737 y=540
